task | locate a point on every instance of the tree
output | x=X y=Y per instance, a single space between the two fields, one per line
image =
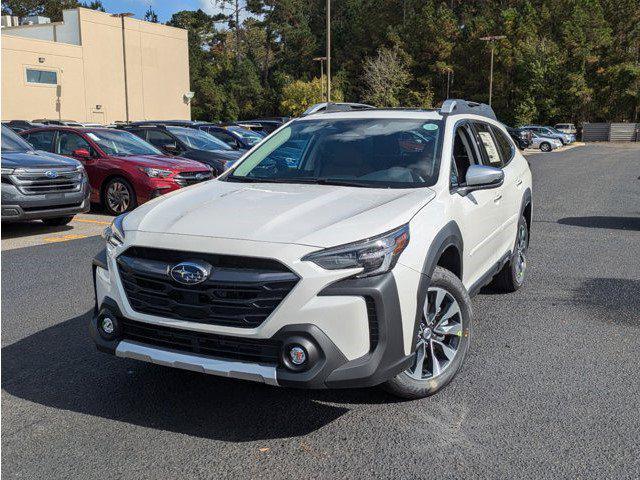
x=299 y=95
x=48 y=8
x=150 y=15
x=386 y=77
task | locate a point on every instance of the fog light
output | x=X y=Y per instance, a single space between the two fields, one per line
x=297 y=355
x=107 y=325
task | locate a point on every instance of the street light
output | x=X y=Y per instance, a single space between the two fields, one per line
x=321 y=60
x=328 y=51
x=491 y=39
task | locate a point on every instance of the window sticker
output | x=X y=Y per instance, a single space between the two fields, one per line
x=430 y=127
x=490 y=147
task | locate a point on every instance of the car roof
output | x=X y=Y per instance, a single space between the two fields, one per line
x=376 y=113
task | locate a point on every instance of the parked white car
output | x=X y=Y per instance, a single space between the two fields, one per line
x=568 y=128
x=346 y=261
x=544 y=144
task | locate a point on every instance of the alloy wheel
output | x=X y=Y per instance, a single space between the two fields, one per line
x=439 y=335
x=521 y=251
x=118 y=197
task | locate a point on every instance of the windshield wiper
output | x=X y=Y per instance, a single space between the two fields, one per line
x=343 y=182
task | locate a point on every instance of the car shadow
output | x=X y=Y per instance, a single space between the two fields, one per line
x=25 y=229
x=615 y=223
x=616 y=299
x=59 y=367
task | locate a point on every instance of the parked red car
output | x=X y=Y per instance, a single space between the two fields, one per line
x=124 y=171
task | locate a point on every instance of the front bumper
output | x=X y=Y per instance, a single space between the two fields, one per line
x=17 y=206
x=333 y=363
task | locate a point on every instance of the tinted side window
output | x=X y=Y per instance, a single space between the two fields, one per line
x=224 y=136
x=504 y=145
x=486 y=141
x=159 y=139
x=68 y=142
x=41 y=140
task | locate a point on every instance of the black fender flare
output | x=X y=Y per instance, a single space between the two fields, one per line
x=449 y=235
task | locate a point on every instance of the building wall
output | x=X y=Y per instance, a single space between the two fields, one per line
x=25 y=101
x=91 y=76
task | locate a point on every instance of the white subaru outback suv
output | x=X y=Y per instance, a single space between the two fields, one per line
x=339 y=252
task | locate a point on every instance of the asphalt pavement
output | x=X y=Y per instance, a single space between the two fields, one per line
x=550 y=389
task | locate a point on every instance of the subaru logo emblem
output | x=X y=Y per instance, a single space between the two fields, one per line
x=190 y=273
x=51 y=174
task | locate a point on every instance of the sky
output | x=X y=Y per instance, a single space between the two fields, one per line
x=164 y=8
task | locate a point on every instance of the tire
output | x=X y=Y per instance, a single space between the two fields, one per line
x=545 y=147
x=413 y=385
x=512 y=275
x=58 y=221
x=118 y=196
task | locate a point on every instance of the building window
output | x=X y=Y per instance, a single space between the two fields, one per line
x=46 y=77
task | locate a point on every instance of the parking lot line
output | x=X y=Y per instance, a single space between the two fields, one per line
x=88 y=220
x=64 y=238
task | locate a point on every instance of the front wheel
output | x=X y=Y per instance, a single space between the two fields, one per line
x=119 y=196
x=442 y=340
x=545 y=147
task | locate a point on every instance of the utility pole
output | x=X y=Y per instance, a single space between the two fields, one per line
x=491 y=39
x=321 y=60
x=328 y=51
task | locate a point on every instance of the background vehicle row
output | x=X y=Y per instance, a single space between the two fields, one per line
x=123 y=170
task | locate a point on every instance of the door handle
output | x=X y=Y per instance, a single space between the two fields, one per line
x=497 y=198
x=518 y=182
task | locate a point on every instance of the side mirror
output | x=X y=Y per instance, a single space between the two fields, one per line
x=481 y=177
x=82 y=153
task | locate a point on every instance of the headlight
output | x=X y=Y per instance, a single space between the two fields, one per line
x=375 y=255
x=7 y=171
x=114 y=233
x=156 y=172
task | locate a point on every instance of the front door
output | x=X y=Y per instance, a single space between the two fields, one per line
x=477 y=212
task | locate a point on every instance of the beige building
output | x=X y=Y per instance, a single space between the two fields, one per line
x=95 y=67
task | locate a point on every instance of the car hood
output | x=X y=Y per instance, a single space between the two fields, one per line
x=36 y=159
x=314 y=215
x=164 y=161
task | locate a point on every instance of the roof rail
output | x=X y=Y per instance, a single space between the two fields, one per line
x=455 y=106
x=330 y=107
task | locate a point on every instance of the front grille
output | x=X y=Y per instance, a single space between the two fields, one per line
x=233 y=348
x=240 y=292
x=185 y=179
x=39 y=181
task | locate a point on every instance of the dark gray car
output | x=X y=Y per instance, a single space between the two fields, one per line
x=40 y=185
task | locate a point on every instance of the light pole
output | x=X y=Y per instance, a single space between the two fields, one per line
x=321 y=60
x=491 y=39
x=328 y=51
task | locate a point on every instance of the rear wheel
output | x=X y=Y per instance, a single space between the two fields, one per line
x=512 y=275
x=58 y=221
x=442 y=341
x=545 y=146
x=119 y=196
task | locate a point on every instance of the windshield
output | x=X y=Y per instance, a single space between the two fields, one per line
x=384 y=153
x=115 y=142
x=249 y=137
x=198 y=139
x=11 y=142
x=553 y=130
